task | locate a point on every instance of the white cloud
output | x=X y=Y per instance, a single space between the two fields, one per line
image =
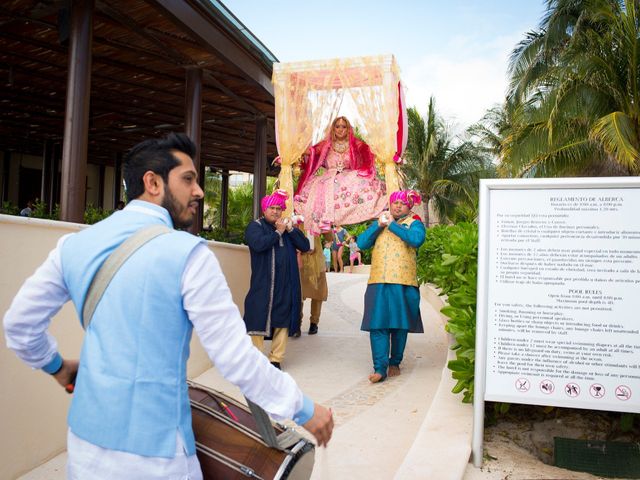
x=465 y=77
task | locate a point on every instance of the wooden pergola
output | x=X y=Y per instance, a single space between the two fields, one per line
x=83 y=81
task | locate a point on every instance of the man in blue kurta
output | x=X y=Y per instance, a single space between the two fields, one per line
x=392 y=298
x=272 y=306
x=130 y=416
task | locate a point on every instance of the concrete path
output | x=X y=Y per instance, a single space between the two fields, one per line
x=383 y=431
x=376 y=425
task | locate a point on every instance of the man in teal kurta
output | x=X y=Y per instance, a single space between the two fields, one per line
x=392 y=299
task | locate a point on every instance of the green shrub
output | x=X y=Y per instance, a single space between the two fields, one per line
x=354 y=231
x=449 y=259
x=9 y=208
x=221 y=235
x=40 y=210
x=95 y=214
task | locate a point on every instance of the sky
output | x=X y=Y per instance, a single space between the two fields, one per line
x=455 y=50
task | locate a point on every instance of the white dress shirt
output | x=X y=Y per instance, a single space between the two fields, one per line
x=217 y=322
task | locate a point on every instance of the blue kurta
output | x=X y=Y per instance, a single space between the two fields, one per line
x=274 y=296
x=392 y=305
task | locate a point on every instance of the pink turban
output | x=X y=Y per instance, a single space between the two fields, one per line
x=408 y=197
x=279 y=198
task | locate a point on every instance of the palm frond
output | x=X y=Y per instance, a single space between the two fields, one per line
x=618 y=135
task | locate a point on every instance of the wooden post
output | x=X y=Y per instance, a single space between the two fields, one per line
x=47 y=174
x=117 y=179
x=101 y=180
x=56 y=179
x=224 y=199
x=193 y=128
x=76 y=121
x=6 y=170
x=259 y=165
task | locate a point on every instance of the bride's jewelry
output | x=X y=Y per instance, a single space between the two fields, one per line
x=340 y=147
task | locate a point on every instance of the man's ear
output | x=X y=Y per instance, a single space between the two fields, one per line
x=153 y=184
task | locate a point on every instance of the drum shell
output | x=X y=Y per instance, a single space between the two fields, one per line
x=220 y=437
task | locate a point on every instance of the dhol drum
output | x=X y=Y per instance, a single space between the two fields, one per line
x=229 y=446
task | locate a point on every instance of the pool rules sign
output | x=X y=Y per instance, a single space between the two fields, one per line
x=558 y=314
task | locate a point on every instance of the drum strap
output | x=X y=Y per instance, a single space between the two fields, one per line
x=101 y=281
x=112 y=264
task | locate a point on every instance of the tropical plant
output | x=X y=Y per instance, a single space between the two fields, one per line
x=95 y=214
x=212 y=196
x=355 y=231
x=9 y=208
x=239 y=213
x=445 y=169
x=576 y=92
x=449 y=259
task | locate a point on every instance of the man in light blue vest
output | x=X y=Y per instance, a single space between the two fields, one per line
x=130 y=415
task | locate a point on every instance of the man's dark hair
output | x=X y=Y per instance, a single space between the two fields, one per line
x=155 y=155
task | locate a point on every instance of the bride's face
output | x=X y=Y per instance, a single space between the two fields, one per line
x=340 y=130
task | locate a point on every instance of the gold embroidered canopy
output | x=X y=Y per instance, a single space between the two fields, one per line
x=309 y=95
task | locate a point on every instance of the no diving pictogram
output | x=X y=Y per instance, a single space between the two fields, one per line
x=572 y=389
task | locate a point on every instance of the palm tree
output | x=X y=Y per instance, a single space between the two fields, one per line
x=212 y=194
x=443 y=168
x=575 y=85
x=492 y=133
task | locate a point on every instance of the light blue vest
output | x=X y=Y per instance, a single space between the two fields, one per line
x=131 y=392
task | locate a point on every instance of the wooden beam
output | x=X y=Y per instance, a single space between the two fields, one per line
x=224 y=199
x=193 y=128
x=223 y=88
x=245 y=109
x=259 y=165
x=76 y=124
x=178 y=57
x=209 y=36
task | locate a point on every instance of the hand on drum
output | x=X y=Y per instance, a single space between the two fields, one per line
x=66 y=376
x=320 y=425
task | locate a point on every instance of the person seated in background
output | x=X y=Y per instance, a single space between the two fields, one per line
x=28 y=210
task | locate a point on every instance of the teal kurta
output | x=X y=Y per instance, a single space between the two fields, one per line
x=392 y=305
x=391 y=310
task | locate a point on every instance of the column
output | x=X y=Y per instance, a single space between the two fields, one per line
x=76 y=122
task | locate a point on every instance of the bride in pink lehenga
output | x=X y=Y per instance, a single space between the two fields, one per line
x=337 y=182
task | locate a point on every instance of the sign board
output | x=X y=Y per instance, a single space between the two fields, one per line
x=558 y=312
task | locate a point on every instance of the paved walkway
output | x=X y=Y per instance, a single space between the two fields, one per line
x=382 y=430
x=376 y=425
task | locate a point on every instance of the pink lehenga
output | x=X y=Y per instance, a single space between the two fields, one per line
x=339 y=188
